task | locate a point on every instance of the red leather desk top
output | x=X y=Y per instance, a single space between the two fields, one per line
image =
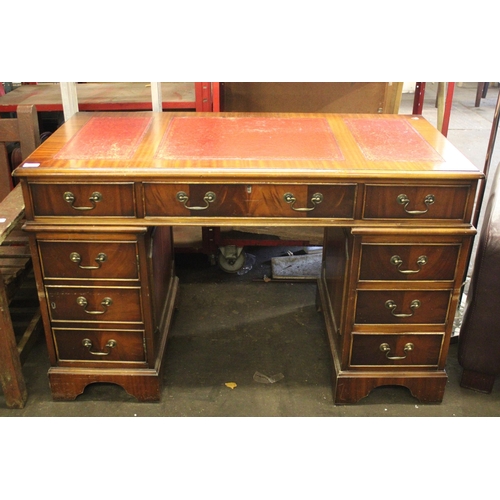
x=202 y=138
x=376 y=139
x=193 y=146
x=107 y=138
x=249 y=138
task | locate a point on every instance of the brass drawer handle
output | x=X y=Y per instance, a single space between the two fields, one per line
x=397 y=261
x=316 y=199
x=407 y=348
x=404 y=200
x=390 y=304
x=76 y=258
x=70 y=198
x=106 y=302
x=110 y=344
x=184 y=198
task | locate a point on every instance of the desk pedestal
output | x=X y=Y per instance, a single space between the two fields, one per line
x=389 y=302
x=108 y=298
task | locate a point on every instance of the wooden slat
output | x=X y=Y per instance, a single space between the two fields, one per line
x=30 y=336
x=15 y=263
x=13 y=277
x=16 y=237
x=10 y=251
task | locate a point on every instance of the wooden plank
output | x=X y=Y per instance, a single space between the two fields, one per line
x=16 y=263
x=11 y=376
x=5 y=173
x=102 y=96
x=315 y=97
x=11 y=212
x=441 y=94
x=29 y=132
x=9 y=130
x=392 y=101
x=14 y=251
x=17 y=237
x=23 y=129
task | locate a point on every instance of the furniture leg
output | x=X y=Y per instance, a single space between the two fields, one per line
x=481 y=382
x=482 y=91
x=11 y=376
x=418 y=101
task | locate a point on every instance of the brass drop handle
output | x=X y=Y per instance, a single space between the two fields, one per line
x=94 y=198
x=397 y=261
x=404 y=200
x=184 y=198
x=391 y=305
x=82 y=302
x=110 y=344
x=316 y=199
x=386 y=348
x=76 y=258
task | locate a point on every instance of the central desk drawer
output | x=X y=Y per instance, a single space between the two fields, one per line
x=103 y=304
x=83 y=200
x=82 y=259
x=249 y=200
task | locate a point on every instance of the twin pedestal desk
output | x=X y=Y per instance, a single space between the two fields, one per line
x=395 y=199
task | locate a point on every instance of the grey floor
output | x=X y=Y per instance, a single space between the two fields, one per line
x=236 y=328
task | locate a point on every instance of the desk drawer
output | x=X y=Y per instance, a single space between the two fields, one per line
x=402 y=306
x=408 y=262
x=82 y=259
x=415 y=202
x=83 y=200
x=103 y=304
x=396 y=350
x=99 y=345
x=235 y=200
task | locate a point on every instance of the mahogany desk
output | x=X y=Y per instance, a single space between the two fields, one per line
x=394 y=196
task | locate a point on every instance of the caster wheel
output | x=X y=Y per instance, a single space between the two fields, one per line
x=231 y=258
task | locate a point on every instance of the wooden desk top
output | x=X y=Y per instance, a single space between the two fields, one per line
x=239 y=147
x=101 y=97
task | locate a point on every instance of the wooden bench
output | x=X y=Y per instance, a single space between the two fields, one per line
x=15 y=258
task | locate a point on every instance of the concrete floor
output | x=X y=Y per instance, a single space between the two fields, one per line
x=225 y=332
